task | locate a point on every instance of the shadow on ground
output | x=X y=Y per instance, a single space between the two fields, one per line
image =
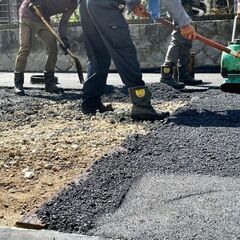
x=206 y=118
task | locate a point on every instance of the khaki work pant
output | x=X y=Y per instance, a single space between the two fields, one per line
x=29 y=28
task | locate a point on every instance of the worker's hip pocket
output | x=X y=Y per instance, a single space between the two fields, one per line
x=120 y=36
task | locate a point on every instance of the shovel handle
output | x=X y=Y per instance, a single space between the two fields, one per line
x=34 y=9
x=212 y=43
x=216 y=45
x=199 y=37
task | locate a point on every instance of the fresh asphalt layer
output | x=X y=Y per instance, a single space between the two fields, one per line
x=184 y=175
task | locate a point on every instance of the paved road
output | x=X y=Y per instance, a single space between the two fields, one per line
x=70 y=80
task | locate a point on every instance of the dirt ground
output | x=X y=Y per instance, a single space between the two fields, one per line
x=45 y=144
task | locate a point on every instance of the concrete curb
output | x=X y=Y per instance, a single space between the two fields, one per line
x=27 y=234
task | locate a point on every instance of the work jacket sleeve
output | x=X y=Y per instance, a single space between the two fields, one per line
x=63 y=24
x=130 y=4
x=177 y=12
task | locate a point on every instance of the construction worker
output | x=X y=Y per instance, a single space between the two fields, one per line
x=107 y=37
x=30 y=25
x=178 y=54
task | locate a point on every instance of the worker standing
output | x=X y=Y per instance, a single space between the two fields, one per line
x=178 y=53
x=31 y=25
x=107 y=37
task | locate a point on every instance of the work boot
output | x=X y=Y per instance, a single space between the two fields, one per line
x=167 y=77
x=185 y=77
x=18 y=82
x=50 y=83
x=92 y=110
x=142 y=108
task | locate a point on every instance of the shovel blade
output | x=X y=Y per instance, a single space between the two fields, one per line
x=79 y=70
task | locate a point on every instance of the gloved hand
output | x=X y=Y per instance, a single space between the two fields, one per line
x=65 y=46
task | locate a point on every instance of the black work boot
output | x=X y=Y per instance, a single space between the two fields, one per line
x=142 y=108
x=50 y=83
x=185 y=77
x=18 y=82
x=92 y=110
x=167 y=77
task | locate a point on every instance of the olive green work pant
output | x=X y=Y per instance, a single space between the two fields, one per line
x=28 y=28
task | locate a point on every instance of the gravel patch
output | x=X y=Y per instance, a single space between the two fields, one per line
x=45 y=142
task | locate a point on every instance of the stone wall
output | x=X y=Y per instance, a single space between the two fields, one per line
x=151 y=41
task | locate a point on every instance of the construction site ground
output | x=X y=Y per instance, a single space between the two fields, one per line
x=172 y=179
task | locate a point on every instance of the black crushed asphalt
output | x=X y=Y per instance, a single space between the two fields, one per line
x=200 y=141
x=35 y=99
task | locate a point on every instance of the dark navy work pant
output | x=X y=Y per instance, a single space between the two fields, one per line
x=107 y=37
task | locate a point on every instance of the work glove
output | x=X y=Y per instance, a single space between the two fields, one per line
x=65 y=46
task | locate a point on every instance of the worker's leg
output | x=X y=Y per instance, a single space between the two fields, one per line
x=113 y=30
x=171 y=60
x=25 y=36
x=98 y=67
x=49 y=41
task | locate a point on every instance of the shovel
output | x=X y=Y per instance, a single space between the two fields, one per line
x=199 y=37
x=34 y=9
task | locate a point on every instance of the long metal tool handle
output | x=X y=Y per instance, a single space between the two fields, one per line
x=199 y=37
x=202 y=39
x=77 y=62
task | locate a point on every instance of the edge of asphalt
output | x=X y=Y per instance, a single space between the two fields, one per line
x=10 y=233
